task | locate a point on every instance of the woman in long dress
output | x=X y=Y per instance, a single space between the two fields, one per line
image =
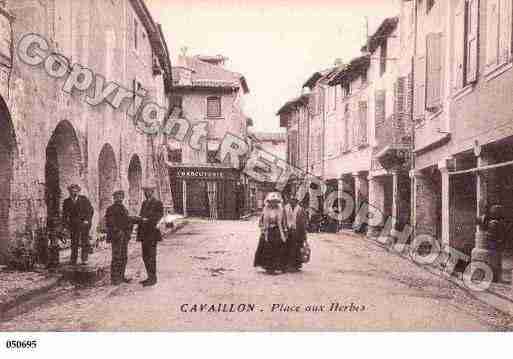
x=273 y=226
x=296 y=220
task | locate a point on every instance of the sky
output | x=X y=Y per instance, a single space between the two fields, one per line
x=277 y=45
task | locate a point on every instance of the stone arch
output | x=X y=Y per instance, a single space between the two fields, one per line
x=7 y=156
x=63 y=167
x=107 y=178
x=135 y=176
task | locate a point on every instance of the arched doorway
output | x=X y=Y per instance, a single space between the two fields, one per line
x=134 y=184
x=108 y=178
x=62 y=168
x=7 y=152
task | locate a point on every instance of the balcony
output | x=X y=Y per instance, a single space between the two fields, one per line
x=393 y=138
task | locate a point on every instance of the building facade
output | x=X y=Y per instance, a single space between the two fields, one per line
x=210 y=96
x=275 y=143
x=359 y=129
x=51 y=138
x=462 y=136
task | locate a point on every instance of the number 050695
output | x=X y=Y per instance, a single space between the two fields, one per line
x=21 y=344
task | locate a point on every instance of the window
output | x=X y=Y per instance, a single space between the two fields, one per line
x=211 y=157
x=380 y=107
x=175 y=156
x=362 y=123
x=499 y=33
x=136 y=33
x=466 y=47
x=345 y=144
x=383 y=58
x=176 y=105
x=334 y=91
x=429 y=5
x=434 y=72
x=293 y=147
x=213 y=107
x=401 y=104
x=319 y=148
x=347 y=88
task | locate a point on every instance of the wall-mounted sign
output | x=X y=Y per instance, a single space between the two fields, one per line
x=198 y=173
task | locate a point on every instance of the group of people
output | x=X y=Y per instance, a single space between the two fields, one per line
x=282 y=237
x=78 y=213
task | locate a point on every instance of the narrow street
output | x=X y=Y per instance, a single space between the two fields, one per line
x=211 y=263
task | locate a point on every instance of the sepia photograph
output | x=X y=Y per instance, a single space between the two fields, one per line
x=173 y=166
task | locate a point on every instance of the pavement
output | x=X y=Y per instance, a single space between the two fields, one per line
x=207 y=282
x=17 y=288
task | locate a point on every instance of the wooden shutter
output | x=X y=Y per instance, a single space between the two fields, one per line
x=420 y=88
x=492 y=33
x=459 y=44
x=345 y=146
x=380 y=107
x=400 y=96
x=472 y=41
x=213 y=107
x=434 y=71
x=505 y=31
x=362 y=123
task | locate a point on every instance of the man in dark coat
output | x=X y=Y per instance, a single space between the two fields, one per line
x=148 y=234
x=119 y=229
x=77 y=213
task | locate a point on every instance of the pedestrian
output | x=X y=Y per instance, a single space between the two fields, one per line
x=77 y=213
x=148 y=234
x=119 y=229
x=273 y=226
x=296 y=238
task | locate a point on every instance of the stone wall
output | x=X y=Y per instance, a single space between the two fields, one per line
x=59 y=137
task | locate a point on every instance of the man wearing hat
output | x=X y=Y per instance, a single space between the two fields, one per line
x=119 y=228
x=148 y=234
x=77 y=213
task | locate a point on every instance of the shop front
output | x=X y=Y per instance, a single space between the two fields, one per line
x=212 y=192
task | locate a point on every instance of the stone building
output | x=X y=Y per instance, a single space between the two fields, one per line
x=209 y=96
x=463 y=137
x=276 y=144
x=358 y=125
x=51 y=138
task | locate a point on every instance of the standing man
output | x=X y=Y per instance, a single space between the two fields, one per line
x=119 y=229
x=77 y=213
x=296 y=222
x=148 y=234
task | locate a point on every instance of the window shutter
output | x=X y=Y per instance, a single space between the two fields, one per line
x=505 y=31
x=214 y=107
x=434 y=71
x=345 y=145
x=472 y=38
x=400 y=96
x=492 y=33
x=380 y=107
x=459 y=45
x=362 y=125
x=420 y=88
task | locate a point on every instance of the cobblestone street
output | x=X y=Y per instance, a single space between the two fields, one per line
x=211 y=263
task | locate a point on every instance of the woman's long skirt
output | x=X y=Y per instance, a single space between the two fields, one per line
x=269 y=254
x=292 y=252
